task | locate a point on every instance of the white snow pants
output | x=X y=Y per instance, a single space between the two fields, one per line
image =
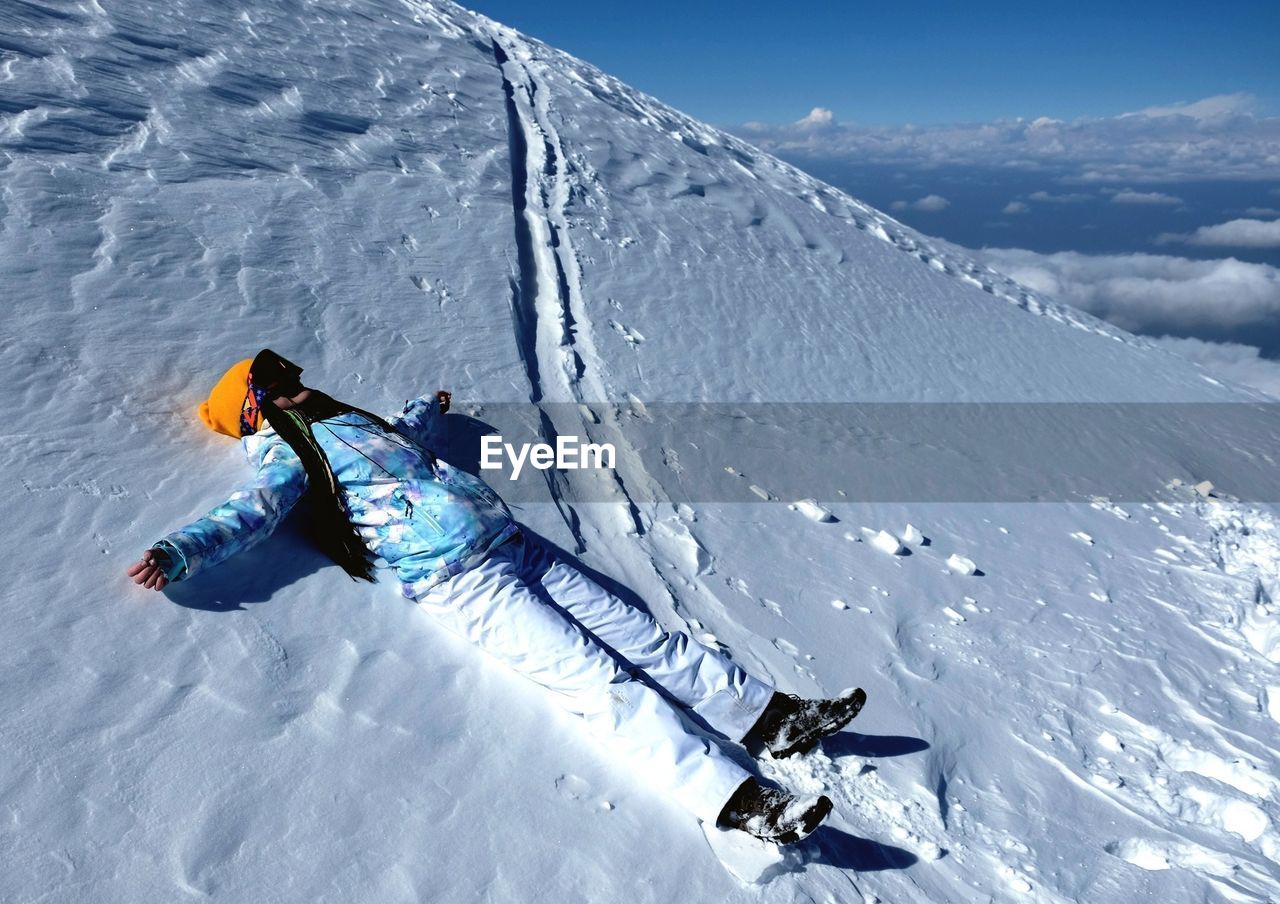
x=542 y=617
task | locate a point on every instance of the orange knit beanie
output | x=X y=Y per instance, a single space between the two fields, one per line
x=221 y=412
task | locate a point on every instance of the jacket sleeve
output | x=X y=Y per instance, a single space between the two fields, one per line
x=250 y=515
x=422 y=421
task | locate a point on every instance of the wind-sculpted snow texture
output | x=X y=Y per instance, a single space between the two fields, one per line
x=1067 y=701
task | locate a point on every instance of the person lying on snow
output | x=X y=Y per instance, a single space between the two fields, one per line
x=374 y=486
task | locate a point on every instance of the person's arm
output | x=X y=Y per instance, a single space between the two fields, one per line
x=251 y=513
x=421 y=418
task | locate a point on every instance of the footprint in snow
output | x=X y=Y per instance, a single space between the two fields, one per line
x=575 y=788
x=786 y=646
x=572 y=786
x=755 y=488
x=632 y=337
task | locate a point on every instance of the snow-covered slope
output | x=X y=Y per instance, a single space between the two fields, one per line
x=403 y=195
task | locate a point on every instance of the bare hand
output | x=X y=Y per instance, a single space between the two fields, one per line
x=444 y=396
x=147 y=572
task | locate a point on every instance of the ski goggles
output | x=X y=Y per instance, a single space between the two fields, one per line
x=270 y=375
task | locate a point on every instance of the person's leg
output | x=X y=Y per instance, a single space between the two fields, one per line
x=491 y=606
x=706 y=681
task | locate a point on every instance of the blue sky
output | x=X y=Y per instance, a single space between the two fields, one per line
x=923 y=62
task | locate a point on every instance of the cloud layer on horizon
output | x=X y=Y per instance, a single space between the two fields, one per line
x=1242 y=233
x=1214 y=138
x=1238 y=363
x=1153 y=294
x=1167 y=298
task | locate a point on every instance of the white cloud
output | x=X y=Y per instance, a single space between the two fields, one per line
x=1262 y=212
x=1210 y=108
x=1153 y=294
x=1217 y=137
x=818 y=116
x=1159 y=295
x=929 y=203
x=1231 y=234
x=1128 y=196
x=1016 y=207
x=1232 y=361
x=1068 y=198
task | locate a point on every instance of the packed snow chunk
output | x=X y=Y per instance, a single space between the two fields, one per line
x=1271 y=700
x=1239 y=773
x=1141 y=853
x=1016 y=880
x=1204 y=488
x=929 y=851
x=1083 y=538
x=812 y=510
x=749 y=859
x=911 y=535
x=1103 y=504
x=886 y=542
x=841 y=604
x=1261 y=628
x=1108 y=741
x=952 y=614
x=1232 y=815
x=960 y=565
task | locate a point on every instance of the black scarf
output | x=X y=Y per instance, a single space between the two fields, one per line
x=329 y=525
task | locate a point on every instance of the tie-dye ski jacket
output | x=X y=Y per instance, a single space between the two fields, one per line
x=425 y=518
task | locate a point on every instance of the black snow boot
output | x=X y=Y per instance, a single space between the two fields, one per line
x=773 y=815
x=790 y=725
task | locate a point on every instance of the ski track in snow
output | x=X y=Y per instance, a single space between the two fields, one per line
x=555 y=333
